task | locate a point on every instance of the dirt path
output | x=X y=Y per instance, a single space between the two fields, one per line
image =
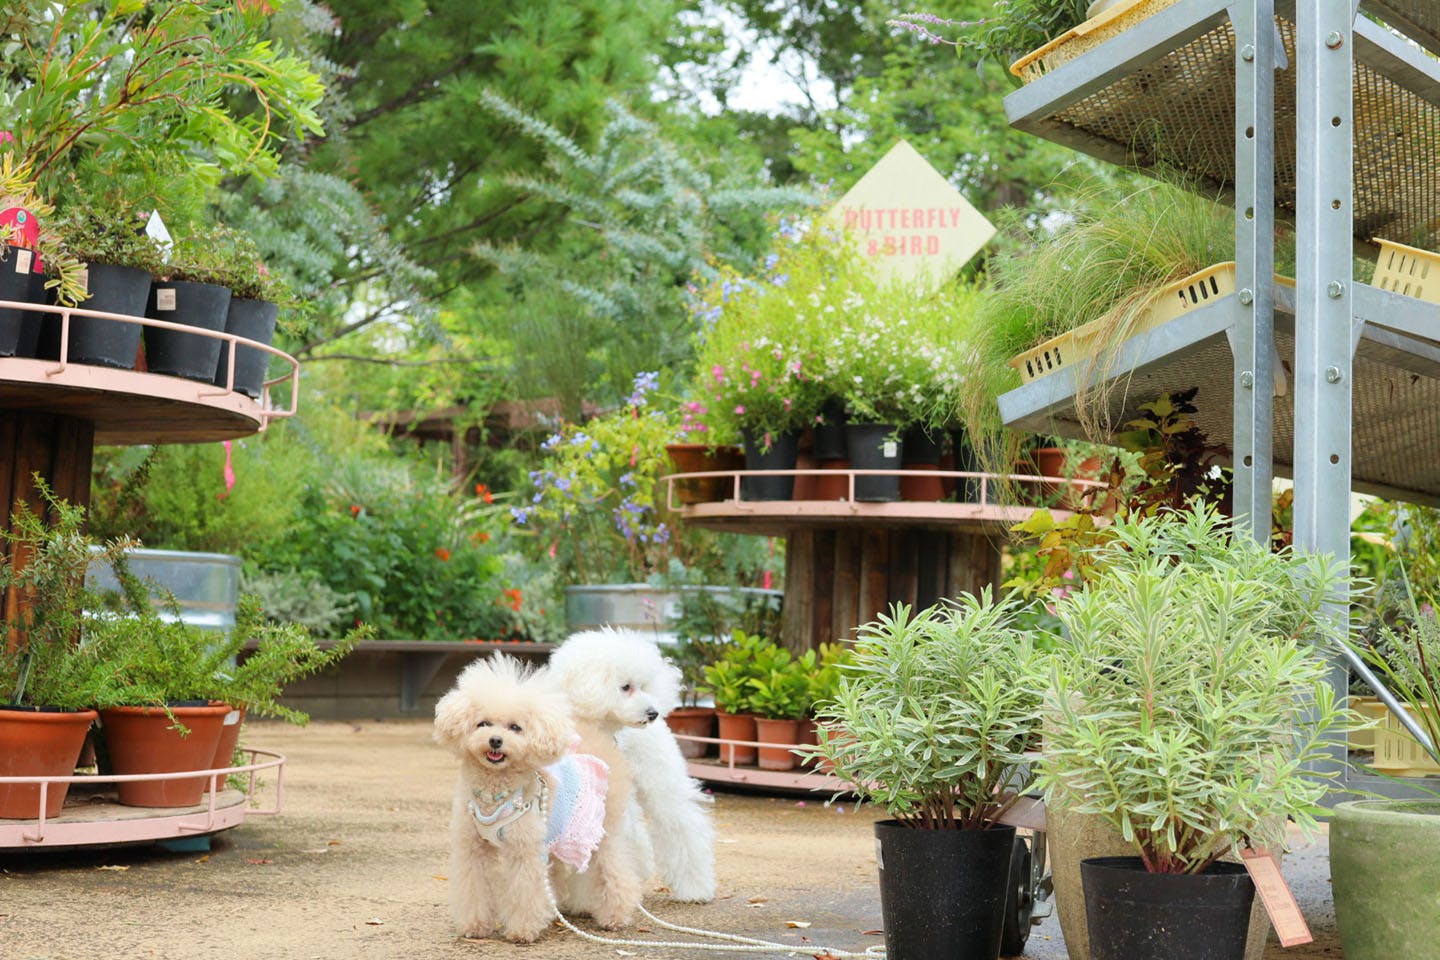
x=354 y=867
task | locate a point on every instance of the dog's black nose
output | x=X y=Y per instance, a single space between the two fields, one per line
x=650 y=714
x=496 y=743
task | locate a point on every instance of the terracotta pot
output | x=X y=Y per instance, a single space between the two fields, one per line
x=225 y=746
x=807 y=485
x=140 y=740
x=692 y=722
x=833 y=487
x=786 y=733
x=736 y=726
x=700 y=458
x=38 y=744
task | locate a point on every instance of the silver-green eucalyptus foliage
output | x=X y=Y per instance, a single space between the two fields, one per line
x=933 y=717
x=1192 y=694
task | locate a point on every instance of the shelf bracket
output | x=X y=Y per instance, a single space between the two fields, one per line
x=1253 y=334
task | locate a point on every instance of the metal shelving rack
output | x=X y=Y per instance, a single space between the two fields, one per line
x=1302 y=112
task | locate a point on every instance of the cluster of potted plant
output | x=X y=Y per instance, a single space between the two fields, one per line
x=169 y=696
x=763 y=694
x=814 y=346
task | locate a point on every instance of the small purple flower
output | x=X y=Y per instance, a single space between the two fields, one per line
x=644 y=383
x=520 y=514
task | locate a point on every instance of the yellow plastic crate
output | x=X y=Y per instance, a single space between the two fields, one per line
x=1406 y=271
x=1397 y=753
x=1371 y=710
x=1171 y=301
x=1088 y=35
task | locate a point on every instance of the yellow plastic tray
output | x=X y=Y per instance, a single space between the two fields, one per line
x=1370 y=709
x=1397 y=753
x=1086 y=36
x=1173 y=300
x=1406 y=271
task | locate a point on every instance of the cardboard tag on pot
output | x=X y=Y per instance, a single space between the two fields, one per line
x=1290 y=926
x=164 y=298
x=22 y=260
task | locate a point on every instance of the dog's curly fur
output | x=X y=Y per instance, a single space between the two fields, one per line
x=619 y=685
x=507 y=723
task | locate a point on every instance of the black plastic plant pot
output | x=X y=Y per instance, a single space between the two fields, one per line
x=103 y=343
x=253 y=320
x=875 y=446
x=1137 y=915
x=942 y=892
x=19 y=329
x=829 y=433
x=178 y=354
x=780 y=454
x=922 y=447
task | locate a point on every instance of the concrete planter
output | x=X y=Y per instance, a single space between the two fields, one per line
x=1384 y=869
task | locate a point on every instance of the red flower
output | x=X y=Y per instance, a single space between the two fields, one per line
x=483 y=492
x=355 y=509
x=442 y=553
x=513 y=594
x=482 y=537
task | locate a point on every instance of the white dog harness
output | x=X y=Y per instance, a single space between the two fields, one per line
x=574 y=817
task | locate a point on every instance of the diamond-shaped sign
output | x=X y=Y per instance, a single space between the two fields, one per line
x=909 y=221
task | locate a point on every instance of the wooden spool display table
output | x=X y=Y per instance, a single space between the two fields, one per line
x=847 y=560
x=52 y=414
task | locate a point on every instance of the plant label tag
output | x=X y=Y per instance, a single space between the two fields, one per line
x=83 y=276
x=1290 y=926
x=879 y=854
x=164 y=298
x=889 y=450
x=22 y=260
x=232 y=718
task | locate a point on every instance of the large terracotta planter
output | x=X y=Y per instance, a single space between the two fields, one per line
x=225 y=746
x=37 y=743
x=692 y=722
x=736 y=726
x=1384 y=870
x=784 y=733
x=142 y=740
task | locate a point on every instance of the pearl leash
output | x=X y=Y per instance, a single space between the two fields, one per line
x=733 y=942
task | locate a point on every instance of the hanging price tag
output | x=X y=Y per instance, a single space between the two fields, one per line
x=164 y=298
x=1290 y=926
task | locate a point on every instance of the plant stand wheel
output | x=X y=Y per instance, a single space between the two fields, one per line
x=1019 y=902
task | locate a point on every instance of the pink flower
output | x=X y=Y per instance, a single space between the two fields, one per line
x=718 y=372
x=787 y=403
x=739 y=410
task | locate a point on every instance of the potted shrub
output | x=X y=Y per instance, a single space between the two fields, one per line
x=48 y=674
x=190 y=290
x=1189 y=706
x=1382 y=851
x=120 y=259
x=256 y=296
x=824 y=679
x=932 y=721
x=779 y=698
x=28 y=247
x=727 y=680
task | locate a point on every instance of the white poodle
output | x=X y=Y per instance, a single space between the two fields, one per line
x=619 y=684
x=524 y=805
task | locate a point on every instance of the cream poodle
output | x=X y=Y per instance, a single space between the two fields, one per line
x=528 y=813
x=620 y=686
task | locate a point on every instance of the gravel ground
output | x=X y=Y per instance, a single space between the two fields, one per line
x=354 y=867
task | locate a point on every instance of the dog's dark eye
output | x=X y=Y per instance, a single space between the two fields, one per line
x=514 y=728
x=483 y=723
x=627 y=688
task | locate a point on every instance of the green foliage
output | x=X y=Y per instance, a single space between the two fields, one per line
x=109 y=233
x=47 y=554
x=727 y=678
x=780 y=687
x=136 y=81
x=1405 y=655
x=933 y=718
x=646 y=215
x=1011 y=29
x=709 y=618
x=282 y=654
x=301 y=598
x=829 y=671
x=1192 y=699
